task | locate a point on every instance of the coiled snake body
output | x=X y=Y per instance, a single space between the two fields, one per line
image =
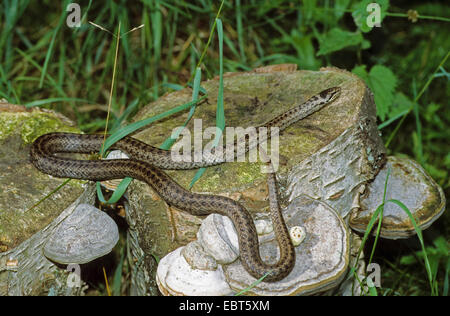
x=145 y=163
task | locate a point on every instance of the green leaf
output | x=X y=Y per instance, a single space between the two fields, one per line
x=435 y=172
x=401 y=104
x=447 y=160
x=339 y=7
x=361 y=72
x=197 y=176
x=253 y=284
x=447 y=270
x=126 y=130
x=372 y=288
x=360 y=13
x=442 y=246
x=382 y=81
x=337 y=39
x=366 y=44
x=121 y=133
x=173 y=86
x=118 y=192
x=130 y=108
x=309 y=9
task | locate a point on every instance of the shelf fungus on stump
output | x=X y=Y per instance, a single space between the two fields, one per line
x=85 y=235
x=321 y=258
x=407 y=183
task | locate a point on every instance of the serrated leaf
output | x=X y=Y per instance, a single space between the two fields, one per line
x=360 y=13
x=337 y=39
x=361 y=72
x=382 y=81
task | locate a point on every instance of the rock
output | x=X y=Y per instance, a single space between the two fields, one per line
x=263 y=226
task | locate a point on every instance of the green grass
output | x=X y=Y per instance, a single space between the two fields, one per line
x=378 y=216
x=44 y=63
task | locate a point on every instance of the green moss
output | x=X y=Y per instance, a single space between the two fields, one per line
x=251 y=100
x=31 y=125
x=248 y=173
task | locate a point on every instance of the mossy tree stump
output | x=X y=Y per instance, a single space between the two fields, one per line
x=26 y=220
x=343 y=136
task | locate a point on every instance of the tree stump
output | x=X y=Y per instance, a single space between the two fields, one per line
x=327 y=156
x=26 y=220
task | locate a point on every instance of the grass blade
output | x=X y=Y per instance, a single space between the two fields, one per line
x=127 y=130
x=253 y=284
x=447 y=270
x=378 y=214
x=117 y=280
x=130 y=108
x=131 y=128
x=381 y=214
x=50 y=47
x=53 y=100
x=171 y=140
x=240 y=31
x=220 y=113
x=47 y=57
x=419 y=235
x=117 y=194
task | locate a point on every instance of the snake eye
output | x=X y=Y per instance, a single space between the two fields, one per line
x=329 y=93
x=325 y=93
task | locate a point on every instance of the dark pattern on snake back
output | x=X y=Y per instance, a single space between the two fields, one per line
x=145 y=164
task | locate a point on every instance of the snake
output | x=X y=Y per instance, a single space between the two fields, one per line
x=146 y=162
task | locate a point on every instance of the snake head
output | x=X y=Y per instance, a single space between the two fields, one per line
x=330 y=94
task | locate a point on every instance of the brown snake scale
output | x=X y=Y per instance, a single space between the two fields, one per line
x=145 y=163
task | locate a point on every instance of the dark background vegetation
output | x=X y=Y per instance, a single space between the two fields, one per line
x=405 y=62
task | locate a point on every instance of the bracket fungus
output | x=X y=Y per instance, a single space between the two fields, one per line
x=321 y=259
x=85 y=235
x=408 y=183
